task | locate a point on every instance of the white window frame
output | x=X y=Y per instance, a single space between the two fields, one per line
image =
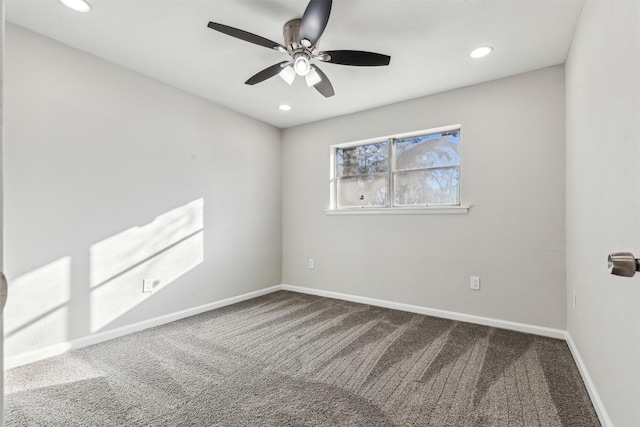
x=390 y=209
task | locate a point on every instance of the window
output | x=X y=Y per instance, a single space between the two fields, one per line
x=416 y=170
x=362 y=175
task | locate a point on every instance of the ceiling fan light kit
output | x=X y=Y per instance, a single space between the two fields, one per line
x=301 y=63
x=288 y=74
x=312 y=78
x=301 y=37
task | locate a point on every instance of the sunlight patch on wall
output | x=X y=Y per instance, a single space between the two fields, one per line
x=162 y=251
x=36 y=313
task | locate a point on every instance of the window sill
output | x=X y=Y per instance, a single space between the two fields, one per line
x=400 y=211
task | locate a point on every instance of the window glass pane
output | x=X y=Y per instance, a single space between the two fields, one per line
x=363 y=159
x=428 y=151
x=362 y=191
x=427 y=187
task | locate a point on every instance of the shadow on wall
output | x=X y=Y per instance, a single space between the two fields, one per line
x=37 y=313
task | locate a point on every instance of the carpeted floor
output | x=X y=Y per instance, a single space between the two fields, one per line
x=288 y=359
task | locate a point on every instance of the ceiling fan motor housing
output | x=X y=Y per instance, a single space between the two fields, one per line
x=301 y=54
x=291 y=33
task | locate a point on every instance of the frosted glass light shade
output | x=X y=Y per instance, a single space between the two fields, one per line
x=301 y=65
x=312 y=78
x=288 y=74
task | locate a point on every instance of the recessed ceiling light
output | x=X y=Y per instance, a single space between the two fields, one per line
x=77 y=5
x=284 y=107
x=481 y=52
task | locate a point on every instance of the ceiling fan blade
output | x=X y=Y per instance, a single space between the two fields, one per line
x=246 y=36
x=314 y=20
x=324 y=87
x=357 y=58
x=266 y=73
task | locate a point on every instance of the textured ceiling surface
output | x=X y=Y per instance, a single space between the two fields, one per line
x=428 y=41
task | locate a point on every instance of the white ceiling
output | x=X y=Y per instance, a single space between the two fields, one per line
x=428 y=42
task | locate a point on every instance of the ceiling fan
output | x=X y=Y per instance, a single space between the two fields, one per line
x=301 y=38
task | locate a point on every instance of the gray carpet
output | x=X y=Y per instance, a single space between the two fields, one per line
x=289 y=359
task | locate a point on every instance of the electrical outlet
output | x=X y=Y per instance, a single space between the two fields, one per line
x=312 y=263
x=475 y=283
x=147 y=285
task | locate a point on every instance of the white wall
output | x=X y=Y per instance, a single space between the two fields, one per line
x=603 y=200
x=111 y=177
x=1 y=210
x=513 y=236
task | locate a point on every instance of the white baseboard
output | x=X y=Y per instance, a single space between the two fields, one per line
x=57 y=349
x=486 y=321
x=588 y=382
x=61 y=348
